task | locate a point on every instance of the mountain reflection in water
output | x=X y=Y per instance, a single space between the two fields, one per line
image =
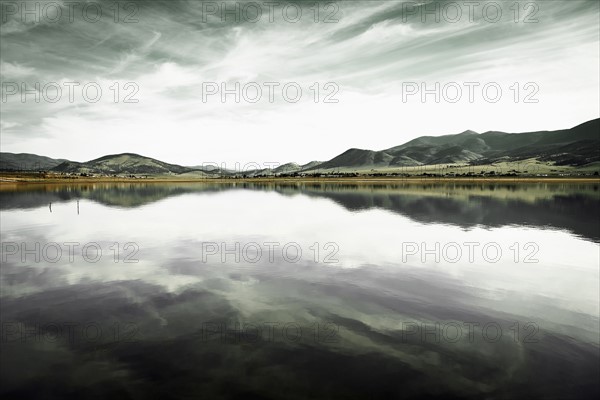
x=177 y=324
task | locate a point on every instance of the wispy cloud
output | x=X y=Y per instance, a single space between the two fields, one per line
x=375 y=47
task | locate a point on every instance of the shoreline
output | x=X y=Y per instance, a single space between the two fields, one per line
x=5 y=181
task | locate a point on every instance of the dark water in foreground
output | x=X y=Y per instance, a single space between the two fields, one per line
x=172 y=291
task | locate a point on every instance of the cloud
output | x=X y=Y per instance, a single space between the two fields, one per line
x=14 y=70
x=369 y=53
x=7 y=125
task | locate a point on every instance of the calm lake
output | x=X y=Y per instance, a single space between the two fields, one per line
x=245 y=290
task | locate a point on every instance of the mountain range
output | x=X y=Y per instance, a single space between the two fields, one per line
x=577 y=146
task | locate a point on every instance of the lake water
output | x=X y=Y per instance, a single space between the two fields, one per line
x=435 y=290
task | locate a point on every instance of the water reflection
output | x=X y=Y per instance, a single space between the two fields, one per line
x=574 y=207
x=178 y=323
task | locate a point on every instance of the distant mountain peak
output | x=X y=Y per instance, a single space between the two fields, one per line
x=579 y=145
x=111 y=156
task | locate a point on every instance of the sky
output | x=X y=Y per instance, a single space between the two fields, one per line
x=160 y=78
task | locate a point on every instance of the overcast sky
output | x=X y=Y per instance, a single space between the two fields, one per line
x=375 y=54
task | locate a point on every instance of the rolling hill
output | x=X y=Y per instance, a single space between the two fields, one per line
x=577 y=146
x=27 y=162
x=126 y=163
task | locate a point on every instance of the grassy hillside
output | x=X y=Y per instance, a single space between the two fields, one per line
x=126 y=163
x=574 y=151
x=27 y=162
x=577 y=146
